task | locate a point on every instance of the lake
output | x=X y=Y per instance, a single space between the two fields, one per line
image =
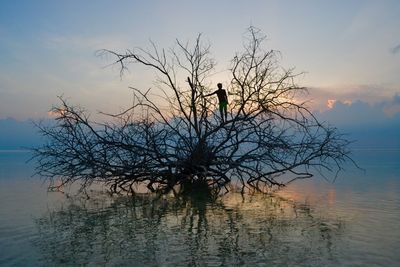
x=352 y=222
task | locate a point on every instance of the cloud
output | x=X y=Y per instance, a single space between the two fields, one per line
x=392 y=107
x=362 y=113
x=395 y=49
x=330 y=103
x=324 y=98
x=369 y=125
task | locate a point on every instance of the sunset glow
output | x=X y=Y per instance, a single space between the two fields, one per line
x=48 y=49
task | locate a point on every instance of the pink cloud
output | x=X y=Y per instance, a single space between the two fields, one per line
x=324 y=99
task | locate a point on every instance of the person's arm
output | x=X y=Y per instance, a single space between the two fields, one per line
x=213 y=93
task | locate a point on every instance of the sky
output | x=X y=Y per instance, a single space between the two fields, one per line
x=349 y=50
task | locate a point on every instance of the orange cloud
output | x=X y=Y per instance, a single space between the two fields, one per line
x=55 y=113
x=330 y=103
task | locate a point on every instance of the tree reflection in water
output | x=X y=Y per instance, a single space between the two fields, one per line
x=148 y=230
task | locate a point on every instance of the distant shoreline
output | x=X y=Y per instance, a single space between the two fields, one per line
x=374 y=149
x=15 y=151
x=352 y=148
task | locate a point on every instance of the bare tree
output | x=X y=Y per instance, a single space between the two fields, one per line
x=172 y=135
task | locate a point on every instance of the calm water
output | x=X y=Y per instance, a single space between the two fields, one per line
x=353 y=222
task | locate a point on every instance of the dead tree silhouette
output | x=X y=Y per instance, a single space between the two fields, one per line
x=173 y=135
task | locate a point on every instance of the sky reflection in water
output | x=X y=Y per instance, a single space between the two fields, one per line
x=232 y=231
x=353 y=222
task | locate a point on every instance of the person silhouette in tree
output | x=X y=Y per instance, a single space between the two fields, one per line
x=223 y=101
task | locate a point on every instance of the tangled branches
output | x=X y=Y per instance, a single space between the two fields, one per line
x=173 y=135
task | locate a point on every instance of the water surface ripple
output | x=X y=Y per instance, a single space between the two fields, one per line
x=353 y=222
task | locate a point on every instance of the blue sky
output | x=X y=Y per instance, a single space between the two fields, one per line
x=350 y=50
